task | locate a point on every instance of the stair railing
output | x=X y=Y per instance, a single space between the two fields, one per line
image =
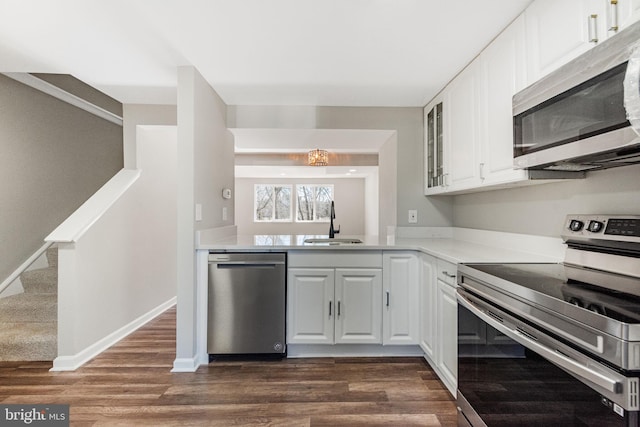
x=21 y=269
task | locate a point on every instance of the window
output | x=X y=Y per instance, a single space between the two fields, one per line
x=272 y=203
x=313 y=203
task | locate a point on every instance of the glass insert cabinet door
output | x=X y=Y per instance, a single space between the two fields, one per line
x=434 y=164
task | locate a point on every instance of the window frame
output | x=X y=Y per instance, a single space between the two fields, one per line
x=315 y=206
x=273 y=207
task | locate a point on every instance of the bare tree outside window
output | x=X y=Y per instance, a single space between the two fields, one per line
x=305 y=202
x=263 y=202
x=283 y=203
x=314 y=202
x=324 y=196
x=272 y=202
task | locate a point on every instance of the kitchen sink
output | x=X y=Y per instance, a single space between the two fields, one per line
x=334 y=241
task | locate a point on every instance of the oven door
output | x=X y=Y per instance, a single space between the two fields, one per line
x=518 y=376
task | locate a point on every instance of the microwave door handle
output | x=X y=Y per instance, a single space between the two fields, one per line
x=632 y=90
x=553 y=356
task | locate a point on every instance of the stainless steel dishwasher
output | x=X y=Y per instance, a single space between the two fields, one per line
x=246 y=304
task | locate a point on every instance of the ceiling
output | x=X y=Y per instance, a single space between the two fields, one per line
x=255 y=52
x=301 y=140
x=317 y=172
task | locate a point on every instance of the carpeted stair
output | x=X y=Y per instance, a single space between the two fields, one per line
x=29 y=321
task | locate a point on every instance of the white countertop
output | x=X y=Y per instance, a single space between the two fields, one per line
x=454 y=249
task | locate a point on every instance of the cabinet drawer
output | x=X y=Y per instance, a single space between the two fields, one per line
x=447 y=272
x=335 y=259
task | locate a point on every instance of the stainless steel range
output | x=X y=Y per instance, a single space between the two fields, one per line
x=557 y=343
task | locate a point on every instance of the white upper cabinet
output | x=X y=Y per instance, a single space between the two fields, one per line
x=621 y=14
x=434 y=167
x=478 y=126
x=503 y=73
x=560 y=30
x=461 y=147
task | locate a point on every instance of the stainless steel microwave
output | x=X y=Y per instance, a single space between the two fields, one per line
x=585 y=115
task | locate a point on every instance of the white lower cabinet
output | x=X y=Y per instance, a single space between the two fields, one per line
x=428 y=308
x=393 y=298
x=439 y=318
x=334 y=306
x=310 y=295
x=401 y=316
x=358 y=314
x=447 y=332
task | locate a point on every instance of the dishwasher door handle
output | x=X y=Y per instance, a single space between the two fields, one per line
x=246 y=264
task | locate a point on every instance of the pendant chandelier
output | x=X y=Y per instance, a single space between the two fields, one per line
x=318 y=157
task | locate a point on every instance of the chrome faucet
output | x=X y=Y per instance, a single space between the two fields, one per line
x=332 y=231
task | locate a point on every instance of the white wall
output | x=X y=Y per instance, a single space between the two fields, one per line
x=136 y=114
x=205 y=167
x=372 y=204
x=124 y=266
x=349 y=197
x=541 y=209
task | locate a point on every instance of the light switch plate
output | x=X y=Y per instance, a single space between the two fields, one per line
x=198 y=212
x=413 y=216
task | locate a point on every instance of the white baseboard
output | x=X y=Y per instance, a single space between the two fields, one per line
x=71 y=363
x=353 y=350
x=186 y=364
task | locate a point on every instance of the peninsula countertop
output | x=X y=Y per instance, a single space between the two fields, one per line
x=453 y=250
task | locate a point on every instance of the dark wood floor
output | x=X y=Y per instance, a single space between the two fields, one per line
x=130 y=384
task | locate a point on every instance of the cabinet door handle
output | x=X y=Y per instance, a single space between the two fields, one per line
x=593 y=28
x=387 y=298
x=330 y=302
x=481 y=170
x=613 y=15
x=446 y=273
x=338 y=308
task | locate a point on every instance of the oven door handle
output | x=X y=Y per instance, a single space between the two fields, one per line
x=553 y=356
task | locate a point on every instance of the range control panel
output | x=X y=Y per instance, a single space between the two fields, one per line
x=608 y=227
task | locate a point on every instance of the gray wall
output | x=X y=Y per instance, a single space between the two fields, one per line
x=54 y=156
x=541 y=209
x=349 y=203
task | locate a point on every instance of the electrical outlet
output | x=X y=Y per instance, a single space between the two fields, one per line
x=198 y=212
x=413 y=216
x=224 y=213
